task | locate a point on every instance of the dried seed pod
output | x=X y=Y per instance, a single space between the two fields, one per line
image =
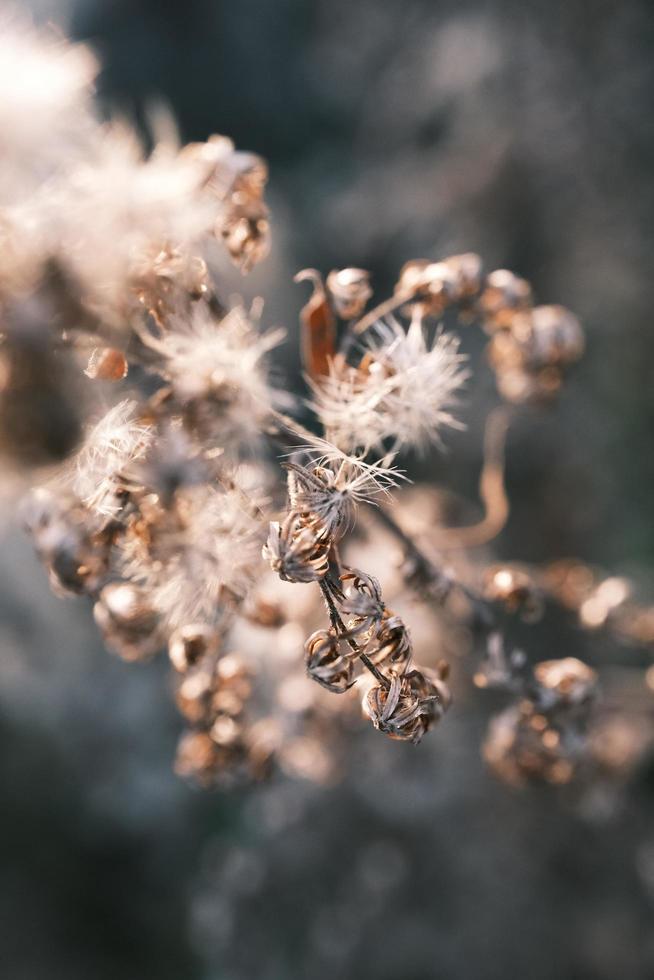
x=363 y=601
x=162 y=276
x=214 y=686
x=409 y=706
x=194 y=693
x=349 y=291
x=298 y=549
x=568 y=681
x=557 y=337
x=106 y=364
x=197 y=757
x=391 y=645
x=233 y=685
x=325 y=664
x=77 y=561
x=466 y=270
x=524 y=745
x=128 y=624
x=515 y=589
x=432 y=284
x=245 y=228
x=190 y=644
x=226 y=731
x=504 y=294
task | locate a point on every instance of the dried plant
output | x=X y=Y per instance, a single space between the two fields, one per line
x=200 y=515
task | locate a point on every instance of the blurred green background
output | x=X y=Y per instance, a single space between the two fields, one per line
x=522 y=130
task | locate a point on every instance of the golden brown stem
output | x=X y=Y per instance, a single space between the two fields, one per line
x=491 y=490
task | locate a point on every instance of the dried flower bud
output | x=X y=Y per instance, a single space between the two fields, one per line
x=504 y=295
x=570 y=681
x=129 y=626
x=298 y=549
x=246 y=233
x=514 y=588
x=349 y=291
x=106 y=364
x=325 y=664
x=190 y=644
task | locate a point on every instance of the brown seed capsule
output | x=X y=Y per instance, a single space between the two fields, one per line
x=569 y=680
x=523 y=745
x=189 y=644
x=504 y=294
x=325 y=664
x=390 y=646
x=298 y=549
x=557 y=338
x=233 y=685
x=129 y=626
x=466 y=271
x=409 y=706
x=198 y=758
x=106 y=364
x=432 y=284
x=349 y=291
x=363 y=601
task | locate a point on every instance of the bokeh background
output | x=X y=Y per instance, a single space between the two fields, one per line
x=523 y=130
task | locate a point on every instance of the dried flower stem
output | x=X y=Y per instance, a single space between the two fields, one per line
x=341 y=629
x=491 y=489
x=381 y=310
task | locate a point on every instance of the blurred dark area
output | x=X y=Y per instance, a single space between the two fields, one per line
x=520 y=130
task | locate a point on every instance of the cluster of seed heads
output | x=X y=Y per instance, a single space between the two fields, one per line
x=160 y=509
